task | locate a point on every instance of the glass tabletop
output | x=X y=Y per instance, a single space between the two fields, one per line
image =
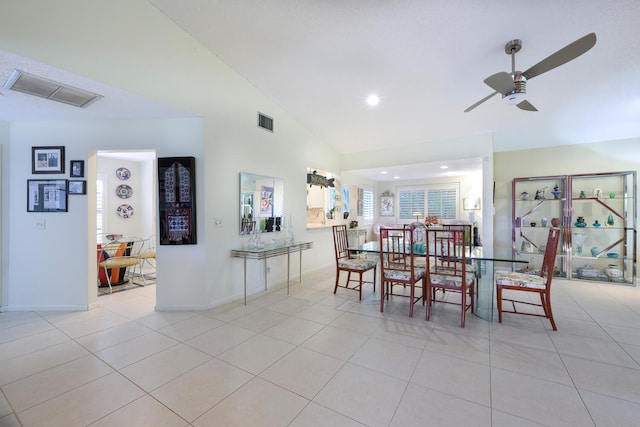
x=478 y=253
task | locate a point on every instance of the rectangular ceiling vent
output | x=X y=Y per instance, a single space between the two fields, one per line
x=265 y=122
x=45 y=88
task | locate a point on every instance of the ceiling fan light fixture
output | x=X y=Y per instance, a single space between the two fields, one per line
x=514 y=98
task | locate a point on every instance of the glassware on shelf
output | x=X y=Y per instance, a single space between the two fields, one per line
x=579 y=239
x=610 y=221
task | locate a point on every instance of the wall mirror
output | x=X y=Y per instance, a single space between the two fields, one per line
x=261 y=203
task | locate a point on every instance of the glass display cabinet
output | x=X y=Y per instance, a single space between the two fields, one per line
x=537 y=204
x=597 y=215
x=603 y=208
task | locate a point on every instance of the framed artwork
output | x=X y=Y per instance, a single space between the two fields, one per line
x=46 y=195
x=177 y=200
x=266 y=201
x=47 y=160
x=77 y=168
x=77 y=187
x=386 y=203
x=471 y=203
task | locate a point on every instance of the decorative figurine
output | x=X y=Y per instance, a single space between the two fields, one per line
x=610 y=220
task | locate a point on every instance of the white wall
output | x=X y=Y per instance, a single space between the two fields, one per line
x=142 y=200
x=150 y=56
x=479 y=146
x=52 y=268
x=4 y=182
x=467 y=184
x=606 y=156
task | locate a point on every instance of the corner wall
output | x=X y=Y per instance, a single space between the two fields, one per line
x=605 y=156
x=145 y=56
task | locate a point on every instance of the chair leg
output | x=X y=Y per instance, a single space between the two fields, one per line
x=428 y=303
x=499 y=301
x=374 y=278
x=108 y=274
x=472 y=294
x=464 y=308
x=546 y=304
x=412 y=293
x=337 y=280
x=360 y=288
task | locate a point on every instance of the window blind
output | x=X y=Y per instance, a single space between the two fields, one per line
x=367 y=206
x=411 y=201
x=442 y=203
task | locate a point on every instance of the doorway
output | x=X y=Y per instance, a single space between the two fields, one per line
x=126 y=205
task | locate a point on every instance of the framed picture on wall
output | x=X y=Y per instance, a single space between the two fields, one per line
x=46 y=195
x=177 y=200
x=386 y=203
x=77 y=187
x=47 y=160
x=77 y=168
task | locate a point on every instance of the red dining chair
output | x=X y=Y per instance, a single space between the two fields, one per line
x=448 y=270
x=346 y=262
x=531 y=283
x=398 y=267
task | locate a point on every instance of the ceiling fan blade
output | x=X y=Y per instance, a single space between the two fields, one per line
x=479 y=102
x=501 y=82
x=526 y=105
x=564 y=55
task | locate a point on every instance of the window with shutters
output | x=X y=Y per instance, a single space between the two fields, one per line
x=442 y=203
x=411 y=201
x=440 y=200
x=367 y=206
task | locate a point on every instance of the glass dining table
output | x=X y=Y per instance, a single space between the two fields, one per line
x=485 y=262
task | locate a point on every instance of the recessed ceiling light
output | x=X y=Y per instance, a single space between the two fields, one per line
x=396 y=177
x=383 y=172
x=373 y=100
x=444 y=167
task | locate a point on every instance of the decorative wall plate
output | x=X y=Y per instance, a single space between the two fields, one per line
x=125 y=211
x=124 y=191
x=123 y=173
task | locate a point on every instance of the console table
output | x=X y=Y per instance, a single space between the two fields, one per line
x=270 y=251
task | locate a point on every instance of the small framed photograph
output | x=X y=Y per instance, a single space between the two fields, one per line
x=77 y=168
x=77 y=187
x=47 y=160
x=46 y=195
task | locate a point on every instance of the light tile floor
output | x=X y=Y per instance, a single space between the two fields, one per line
x=317 y=359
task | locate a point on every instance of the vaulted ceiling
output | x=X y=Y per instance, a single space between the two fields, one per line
x=426 y=60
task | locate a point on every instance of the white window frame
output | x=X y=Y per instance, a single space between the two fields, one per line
x=426 y=188
x=368 y=206
x=101 y=211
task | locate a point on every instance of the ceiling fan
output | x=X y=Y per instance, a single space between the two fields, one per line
x=513 y=87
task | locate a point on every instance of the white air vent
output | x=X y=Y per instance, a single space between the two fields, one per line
x=45 y=88
x=265 y=122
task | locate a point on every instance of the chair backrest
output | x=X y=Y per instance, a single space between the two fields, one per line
x=468 y=232
x=133 y=245
x=247 y=226
x=447 y=251
x=396 y=250
x=340 y=241
x=548 y=263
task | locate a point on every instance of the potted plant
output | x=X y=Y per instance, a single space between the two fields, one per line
x=330 y=213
